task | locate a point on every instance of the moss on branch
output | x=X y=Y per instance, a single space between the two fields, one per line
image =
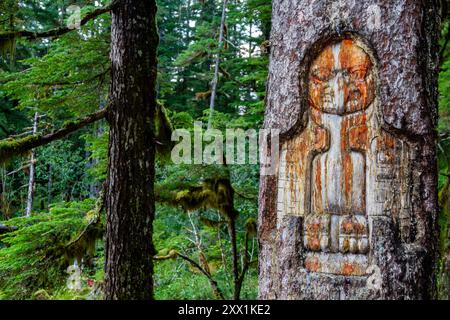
x=16 y=147
x=32 y=35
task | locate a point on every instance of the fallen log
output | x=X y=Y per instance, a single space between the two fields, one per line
x=5 y=229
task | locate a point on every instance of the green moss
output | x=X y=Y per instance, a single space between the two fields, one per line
x=8 y=46
x=250 y=226
x=163 y=132
x=215 y=194
x=34 y=256
x=41 y=295
x=16 y=147
x=442 y=275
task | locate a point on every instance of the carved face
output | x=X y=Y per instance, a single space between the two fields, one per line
x=341 y=79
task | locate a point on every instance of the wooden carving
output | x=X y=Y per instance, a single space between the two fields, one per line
x=343 y=168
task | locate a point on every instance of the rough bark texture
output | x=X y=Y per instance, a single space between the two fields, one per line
x=404 y=50
x=130 y=195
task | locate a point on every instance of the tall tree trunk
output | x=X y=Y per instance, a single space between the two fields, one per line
x=32 y=170
x=130 y=195
x=217 y=65
x=351 y=211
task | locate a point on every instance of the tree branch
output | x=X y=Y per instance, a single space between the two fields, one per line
x=101 y=75
x=5 y=229
x=30 y=35
x=10 y=148
x=174 y=254
x=213 y=282
x=4 y=129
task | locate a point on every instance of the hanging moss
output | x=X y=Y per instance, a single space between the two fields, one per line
x=83 y=246
x=250 y=227
x=34 y=255
x=215 y=194
x=41 y=295
x=8 y=47
x=163 y=132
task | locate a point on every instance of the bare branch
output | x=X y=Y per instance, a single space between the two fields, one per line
x=5 y=229
x=173 y=254
x=213 y=282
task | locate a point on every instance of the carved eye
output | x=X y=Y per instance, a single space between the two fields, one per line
x=358 y=73
x=320 y=75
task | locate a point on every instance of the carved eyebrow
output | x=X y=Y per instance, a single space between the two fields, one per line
x=359 y=67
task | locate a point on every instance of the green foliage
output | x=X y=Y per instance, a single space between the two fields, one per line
x=72 y=77
x=35 y=256
x=444 y=162
x=11 y=120
x=61 y=172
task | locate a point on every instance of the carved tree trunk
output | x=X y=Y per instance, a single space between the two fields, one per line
x=351 y=211
x=130 y=196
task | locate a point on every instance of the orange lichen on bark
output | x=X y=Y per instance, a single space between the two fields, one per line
x=359 y=87
x=312 y=264
x=354 y=79
x=331 y=153
x=348 y=269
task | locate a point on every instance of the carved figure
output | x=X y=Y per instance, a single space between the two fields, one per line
x=338 y=171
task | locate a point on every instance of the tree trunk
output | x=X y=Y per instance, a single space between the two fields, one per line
x=49 y=185
x=351 y=211
x=130 y=196
x=32 y=171
x=234 y=252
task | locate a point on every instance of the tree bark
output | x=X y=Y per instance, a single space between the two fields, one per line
x=397 y=43
x=130 y=195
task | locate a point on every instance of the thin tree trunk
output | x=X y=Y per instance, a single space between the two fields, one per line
x=130 y=191
x=245 y=266
x=217 y=65
x=32 y=170
x=233 y=238
x=49 y=185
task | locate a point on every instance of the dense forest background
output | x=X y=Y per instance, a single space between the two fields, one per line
x=57 y=251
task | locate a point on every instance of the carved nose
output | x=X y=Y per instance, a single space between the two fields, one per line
x=339 y=87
